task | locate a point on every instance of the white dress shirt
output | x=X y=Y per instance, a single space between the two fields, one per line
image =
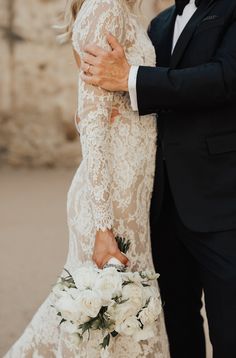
x=180 y=23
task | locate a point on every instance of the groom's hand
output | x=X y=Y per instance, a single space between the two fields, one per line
x=106 y=69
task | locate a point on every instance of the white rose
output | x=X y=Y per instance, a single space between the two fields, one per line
x=123 y=311
x=109 y=284
x=85 y=277
x=59 y=290
x=146 y=316
x=89 y=302
x=151 y=313
x=149 y=275
x=155 y=306
x=68 y=308
x=112 y=309
x=145 y=333
x=69 y=327
x=76 y=339
x=150 y=291
x=105 y=353
x=132 y=277
x=73 y=292
x=129 y=327
x=134 y=293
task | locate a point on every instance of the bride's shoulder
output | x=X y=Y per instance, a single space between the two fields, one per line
x=95 y=17
x=108 y=3
x=105 y=8
x=113 y=5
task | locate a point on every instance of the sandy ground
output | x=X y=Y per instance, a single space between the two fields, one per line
x=33 y=240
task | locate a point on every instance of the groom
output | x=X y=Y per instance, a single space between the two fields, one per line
x=193 y=214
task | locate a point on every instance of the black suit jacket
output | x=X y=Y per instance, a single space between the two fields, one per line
x=194 y=93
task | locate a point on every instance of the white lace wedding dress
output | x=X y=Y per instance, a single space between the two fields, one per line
x=111 y=188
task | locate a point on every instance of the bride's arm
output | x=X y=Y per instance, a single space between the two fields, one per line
x=94 y=112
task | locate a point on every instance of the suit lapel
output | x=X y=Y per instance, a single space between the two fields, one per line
x=188 y=32
x=164 y=41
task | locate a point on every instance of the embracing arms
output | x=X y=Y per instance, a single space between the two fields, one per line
x=205 y=85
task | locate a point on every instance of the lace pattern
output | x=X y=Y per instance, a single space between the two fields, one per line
x=111 y=188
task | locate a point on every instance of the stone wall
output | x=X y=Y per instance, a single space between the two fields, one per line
x=38 y=85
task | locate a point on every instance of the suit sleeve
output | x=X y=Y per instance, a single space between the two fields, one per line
x=204 y=86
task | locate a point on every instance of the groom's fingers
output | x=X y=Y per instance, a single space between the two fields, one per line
x=113 y=42
x=88 y=69
x=95 y=50
x=91 y=60
x=90 y=80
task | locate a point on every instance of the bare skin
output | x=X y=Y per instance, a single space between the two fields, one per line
x=106 y=69
x=80 y=63
x=105 y=246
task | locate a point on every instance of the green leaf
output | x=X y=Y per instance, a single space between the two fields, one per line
x=123 y=301
x=125 y=283
x=62 y=321
x=141 y=324
x=84 y=327
x=69 y=274
x=106 y=341
x=88 y=325
x=123 y=244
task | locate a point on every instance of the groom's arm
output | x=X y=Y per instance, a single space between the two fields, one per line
x=203 y=86
x=206 y=85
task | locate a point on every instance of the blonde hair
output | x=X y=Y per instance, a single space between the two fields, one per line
x=71 y=10
x=68 y=18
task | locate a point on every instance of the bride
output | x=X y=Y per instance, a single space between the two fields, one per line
x=111 y=190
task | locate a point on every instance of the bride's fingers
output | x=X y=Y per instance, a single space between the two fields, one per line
x=119 y=256
x=122 y=258
x=94 y=50
x=98 y=262
x=101 y=261
x=105 y=261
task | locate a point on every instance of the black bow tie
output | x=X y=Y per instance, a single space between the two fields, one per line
x=180 y=5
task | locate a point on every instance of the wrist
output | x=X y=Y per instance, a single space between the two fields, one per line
x=104 y=234
x=125 y=79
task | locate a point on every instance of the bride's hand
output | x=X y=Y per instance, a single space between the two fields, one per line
x=105 y=248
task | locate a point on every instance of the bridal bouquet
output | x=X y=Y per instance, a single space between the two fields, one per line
x=109 y=301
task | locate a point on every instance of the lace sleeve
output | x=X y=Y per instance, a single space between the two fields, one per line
x=94 y=108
